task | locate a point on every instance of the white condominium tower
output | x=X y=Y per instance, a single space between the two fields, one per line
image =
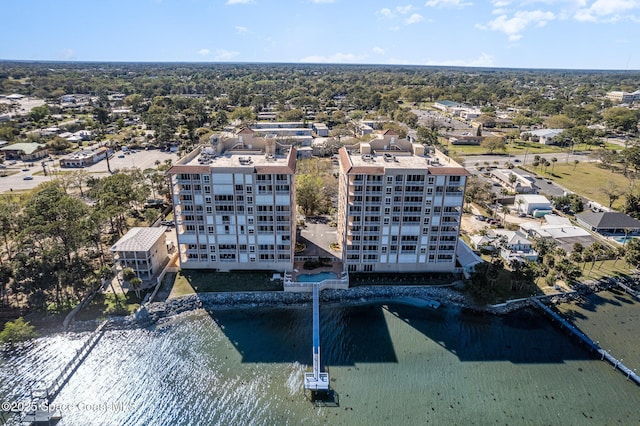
x=399 y=207
x=234 y=205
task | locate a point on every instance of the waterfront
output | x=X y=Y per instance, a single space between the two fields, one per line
x=389 y=364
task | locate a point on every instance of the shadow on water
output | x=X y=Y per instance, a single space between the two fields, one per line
x=593 y=301
x=281 y=335
x=520 y=337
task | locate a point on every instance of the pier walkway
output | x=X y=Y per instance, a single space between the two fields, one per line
x=51 y=391
x=631 y=374
x=316 y=380
x=629 y=290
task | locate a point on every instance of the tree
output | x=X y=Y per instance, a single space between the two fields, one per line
x=559 y=121
x=621 y=118
x=575 y=164
x=493 y=143
x=39 y=112
x=427 y=136
x=554 y=160
x=309 y=193
x=17 y=331
x=612 y=192
x=136 y=285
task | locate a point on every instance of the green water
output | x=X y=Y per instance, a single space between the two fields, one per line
x=388 y=365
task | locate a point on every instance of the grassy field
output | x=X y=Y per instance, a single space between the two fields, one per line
x=513 y=148
x=195 y=281
x=588 y=180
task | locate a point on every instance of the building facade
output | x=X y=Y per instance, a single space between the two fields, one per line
x=142 y=249
x=234 y=205
x=399 y=207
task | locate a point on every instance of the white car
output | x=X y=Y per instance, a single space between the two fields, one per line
x=28 y=177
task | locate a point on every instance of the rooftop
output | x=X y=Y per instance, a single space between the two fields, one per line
x=139 y=239
x=379 y=155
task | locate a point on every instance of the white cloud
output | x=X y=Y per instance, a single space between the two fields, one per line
x=322 y=1
x=68 y=54
x=522 y=19
x=225 y=55
x=414 y=19
x=484 y=60
x=398 y=10
x=231 y=2
x=336 y=58
x=241 y=30
x=447 y=3
x=378 y=50
x=204 y=52
x=607 y=10
x=403 y=10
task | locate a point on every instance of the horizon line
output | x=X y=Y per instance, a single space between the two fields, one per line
x=70 y=61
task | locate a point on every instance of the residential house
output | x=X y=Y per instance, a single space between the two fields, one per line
x=142 y=249
x=544 y=136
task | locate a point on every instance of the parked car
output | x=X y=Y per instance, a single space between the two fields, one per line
x=481 y=218
x=28 y=177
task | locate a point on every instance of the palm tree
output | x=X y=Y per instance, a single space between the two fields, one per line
x=575 y=164
x=136 y=285
x=505 y=212
x=554 y=160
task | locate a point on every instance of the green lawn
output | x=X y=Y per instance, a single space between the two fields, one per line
x=588 y=180
x=189 y=281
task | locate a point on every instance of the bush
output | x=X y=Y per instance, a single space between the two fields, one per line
x=17 y=331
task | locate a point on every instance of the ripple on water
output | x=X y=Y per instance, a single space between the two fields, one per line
x=389 y=364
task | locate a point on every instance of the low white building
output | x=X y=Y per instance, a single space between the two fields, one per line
x=520 y=183
x=560 y=230
x=512 y=244
x=533 y=204
x=545 y=136
x=142 y=249
x=321 y=129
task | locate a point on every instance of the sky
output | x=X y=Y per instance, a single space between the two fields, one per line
x=566 y=34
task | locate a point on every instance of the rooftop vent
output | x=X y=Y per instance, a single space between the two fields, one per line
x=245 y=160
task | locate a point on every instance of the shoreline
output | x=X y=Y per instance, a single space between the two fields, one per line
x=153 y=312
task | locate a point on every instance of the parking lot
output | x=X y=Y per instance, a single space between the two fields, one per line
x=18 y=172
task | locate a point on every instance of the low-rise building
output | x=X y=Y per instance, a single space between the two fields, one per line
x=544 y=136
x=25 y=151
x=512 y=244
x=560 y=230
x=465 y=140
x=609 y=223
x=515 y=180
x=85 y=158
x=533 y=204
x=321 y=129
x=142 y=249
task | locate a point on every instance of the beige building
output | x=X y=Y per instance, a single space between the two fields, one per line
x=234 y=204
x=142 y=249
x=399 y=207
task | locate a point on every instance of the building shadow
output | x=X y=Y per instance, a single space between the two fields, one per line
x=361 y=334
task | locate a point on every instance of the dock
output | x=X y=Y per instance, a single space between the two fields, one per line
x=317 y=380
x=617 y=364
x=628 y=290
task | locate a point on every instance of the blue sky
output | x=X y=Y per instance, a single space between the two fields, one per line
x=576 y=34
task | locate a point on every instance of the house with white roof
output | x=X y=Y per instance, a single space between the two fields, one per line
x=142 y=249
x=533 y=204
x=560 y=230
x=544 y=136
x=512 y=244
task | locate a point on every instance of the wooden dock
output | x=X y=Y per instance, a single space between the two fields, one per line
x=631 y=374
x=50 y=391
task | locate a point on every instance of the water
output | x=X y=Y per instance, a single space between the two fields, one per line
x=389 y=364
x=622 y=239
x=314 y=278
